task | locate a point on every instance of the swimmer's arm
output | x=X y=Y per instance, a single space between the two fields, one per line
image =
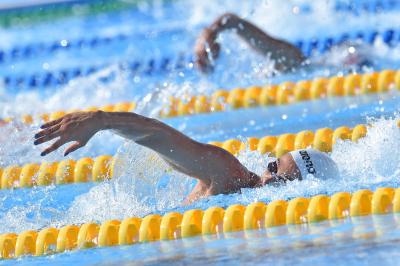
x=203 y=161
x=285 y=54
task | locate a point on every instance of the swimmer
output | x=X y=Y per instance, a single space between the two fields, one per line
x=217 y=171
x=286 y=56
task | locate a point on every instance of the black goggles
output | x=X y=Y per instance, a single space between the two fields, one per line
x=272 y=167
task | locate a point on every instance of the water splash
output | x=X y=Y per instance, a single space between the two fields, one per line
x=298 y=14
x=238 y=65
x=103 y=87
x=372 y=162
x=374 y=159
x=144 y=184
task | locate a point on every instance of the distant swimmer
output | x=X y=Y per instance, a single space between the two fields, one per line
x=286 y=56
x=217 y=171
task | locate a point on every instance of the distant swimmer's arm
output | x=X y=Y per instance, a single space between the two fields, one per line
x=285 y=55
x=203 y=161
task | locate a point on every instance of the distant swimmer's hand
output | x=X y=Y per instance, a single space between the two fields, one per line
x=206 y=50
x=78 y=127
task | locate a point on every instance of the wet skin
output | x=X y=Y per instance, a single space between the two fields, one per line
x=217 y=171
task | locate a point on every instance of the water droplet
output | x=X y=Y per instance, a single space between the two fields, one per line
x=136 y=79
x=64 y=43
x=352 y=49
x=45 y=66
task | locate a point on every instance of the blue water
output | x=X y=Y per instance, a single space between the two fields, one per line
x=159 y=31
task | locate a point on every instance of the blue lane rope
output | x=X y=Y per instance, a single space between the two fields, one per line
x=390 y=37
x=35 y=49
x=357 y=7
x=61 y=77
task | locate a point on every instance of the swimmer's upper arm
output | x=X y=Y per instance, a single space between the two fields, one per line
x=199 y=160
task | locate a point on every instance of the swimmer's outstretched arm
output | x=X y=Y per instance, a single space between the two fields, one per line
x=285 y=55
x=211 y=164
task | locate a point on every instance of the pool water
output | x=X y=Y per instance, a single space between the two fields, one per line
x=143 y=184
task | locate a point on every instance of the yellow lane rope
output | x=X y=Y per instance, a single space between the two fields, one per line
x=100 y=168
x=196 y=222
x=285 y=93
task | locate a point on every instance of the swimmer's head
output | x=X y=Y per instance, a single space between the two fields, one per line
x=315 y=163
x=299 y=164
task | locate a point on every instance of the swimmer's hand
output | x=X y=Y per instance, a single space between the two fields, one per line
x=78 y=127
x=206 y=50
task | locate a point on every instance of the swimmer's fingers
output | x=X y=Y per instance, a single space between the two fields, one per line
x=202 y=60
x=215 y=50
x=202 y=63
x=73 y=147
x=205 y=58
x=47 y=137
x=53 y=147
x=47 y=131
x=51 y=123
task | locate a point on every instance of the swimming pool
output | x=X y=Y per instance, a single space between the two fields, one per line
x=153 y=33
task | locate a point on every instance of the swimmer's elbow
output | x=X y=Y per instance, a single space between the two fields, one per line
x=227 y=21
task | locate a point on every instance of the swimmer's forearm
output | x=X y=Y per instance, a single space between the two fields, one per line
x=129 y=125
x=259 y=40
x=148 y=132
x=174 y=146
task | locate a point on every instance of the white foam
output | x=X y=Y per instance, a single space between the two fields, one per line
x=144 y=183
x=239 y=66
x=371 y=162
x=141 y=184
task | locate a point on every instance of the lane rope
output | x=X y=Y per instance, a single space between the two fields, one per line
x=281 y=94
x=201 y=223
x=359 y=7
x=390 y=37
x=101 y=168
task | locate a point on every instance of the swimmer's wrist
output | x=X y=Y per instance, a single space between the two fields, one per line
x=102 y=119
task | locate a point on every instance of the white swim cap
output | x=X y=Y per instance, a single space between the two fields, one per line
x=316 y=163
